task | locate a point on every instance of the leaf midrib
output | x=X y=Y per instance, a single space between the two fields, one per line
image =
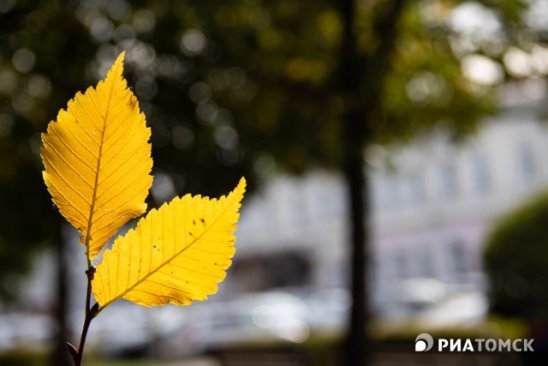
x=96 y=183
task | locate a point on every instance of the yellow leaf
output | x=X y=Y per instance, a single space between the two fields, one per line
x=97 y=160
x=176 y=254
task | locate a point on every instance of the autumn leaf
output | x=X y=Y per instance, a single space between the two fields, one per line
x=97 y=169
x=97 y=160
x=176 y=254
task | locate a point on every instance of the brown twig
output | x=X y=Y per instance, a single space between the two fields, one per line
x=91 y=312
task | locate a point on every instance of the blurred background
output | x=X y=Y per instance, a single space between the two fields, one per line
x=396 y=153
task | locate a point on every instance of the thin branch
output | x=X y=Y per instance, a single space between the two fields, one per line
x=91 y=312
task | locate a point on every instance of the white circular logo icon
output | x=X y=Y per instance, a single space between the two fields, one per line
x=424 y=342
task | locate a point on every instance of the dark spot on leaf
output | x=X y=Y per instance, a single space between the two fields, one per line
x=190 y=233
x=202 y=220
x=193 y=222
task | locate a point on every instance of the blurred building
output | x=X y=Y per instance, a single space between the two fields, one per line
x=433 y=203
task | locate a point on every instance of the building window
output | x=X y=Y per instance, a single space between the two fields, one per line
x=401 y=266
x=481 y=172
x=458 y=258
x=416 y=188
x=386 y=192
x=449 y=181
x=527 y=164
x=425 y=262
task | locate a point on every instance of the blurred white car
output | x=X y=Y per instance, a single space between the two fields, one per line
x=125 y=329
x=328 y=310
x=255 y=318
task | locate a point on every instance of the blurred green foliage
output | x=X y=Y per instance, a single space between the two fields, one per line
x=516 y=262
x=23 y=358
x=229 y=88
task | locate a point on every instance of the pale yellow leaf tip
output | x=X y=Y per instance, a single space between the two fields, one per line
x=239 y=191
x=242 y=184
x=118 y=66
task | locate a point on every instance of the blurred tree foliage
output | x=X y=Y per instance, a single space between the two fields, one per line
x=516 y=261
